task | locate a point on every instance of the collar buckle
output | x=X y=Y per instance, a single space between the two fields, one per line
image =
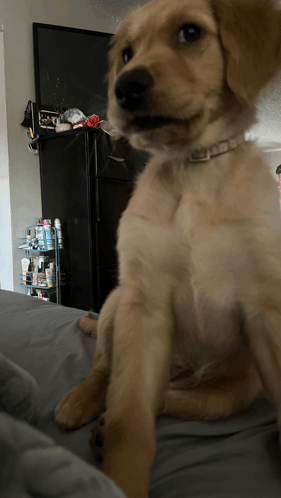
x=203 y=159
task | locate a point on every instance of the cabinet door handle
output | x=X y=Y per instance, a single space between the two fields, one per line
x=117 y=159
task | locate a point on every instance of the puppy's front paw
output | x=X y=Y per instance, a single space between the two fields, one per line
x=76 y=408
x=89 y=325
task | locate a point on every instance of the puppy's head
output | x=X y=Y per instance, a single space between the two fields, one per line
x=181 y=68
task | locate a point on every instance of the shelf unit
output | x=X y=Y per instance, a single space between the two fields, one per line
x=42 y=249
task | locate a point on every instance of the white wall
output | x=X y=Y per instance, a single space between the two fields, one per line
x=6 y=260
x=269 y=112
x=268 y=128
x=274 y=160
x=19 y=168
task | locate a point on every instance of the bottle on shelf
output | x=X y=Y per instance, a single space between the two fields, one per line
x=35 y=276
x=28 y=237
x=49 y=235
x=34 y=243
x=24 y=265
x=57 y=224
x=49 y=277
x=40 y=237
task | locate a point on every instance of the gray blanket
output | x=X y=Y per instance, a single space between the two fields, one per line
x=32 y=464
x=19 y=392
x=238 y=457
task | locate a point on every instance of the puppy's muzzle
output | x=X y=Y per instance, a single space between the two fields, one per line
x=131 y=89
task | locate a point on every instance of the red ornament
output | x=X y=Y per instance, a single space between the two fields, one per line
x=93 y=121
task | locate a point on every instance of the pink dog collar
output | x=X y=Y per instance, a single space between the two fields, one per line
x=216 y=150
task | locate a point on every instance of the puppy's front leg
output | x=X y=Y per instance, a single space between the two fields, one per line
x=263 y=328
x=140 y=374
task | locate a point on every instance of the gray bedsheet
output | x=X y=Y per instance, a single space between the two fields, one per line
x=238 y=457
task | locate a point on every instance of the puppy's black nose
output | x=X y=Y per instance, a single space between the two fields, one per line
x=131 y=89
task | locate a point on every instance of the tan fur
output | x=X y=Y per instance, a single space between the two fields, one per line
x=193 y=329
x=89 y=325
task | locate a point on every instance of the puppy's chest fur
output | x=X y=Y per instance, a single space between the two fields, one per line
x=178 y=234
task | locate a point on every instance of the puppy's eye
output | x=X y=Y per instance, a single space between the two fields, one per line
x=189 y=33
x=127 y=55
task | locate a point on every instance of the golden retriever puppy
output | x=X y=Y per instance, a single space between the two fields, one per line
x=193 y=329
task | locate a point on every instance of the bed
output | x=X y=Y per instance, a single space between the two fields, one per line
x=43 y=355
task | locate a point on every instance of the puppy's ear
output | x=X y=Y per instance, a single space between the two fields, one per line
x=250 y=32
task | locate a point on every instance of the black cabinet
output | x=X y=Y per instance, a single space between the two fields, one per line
x=86 y=181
